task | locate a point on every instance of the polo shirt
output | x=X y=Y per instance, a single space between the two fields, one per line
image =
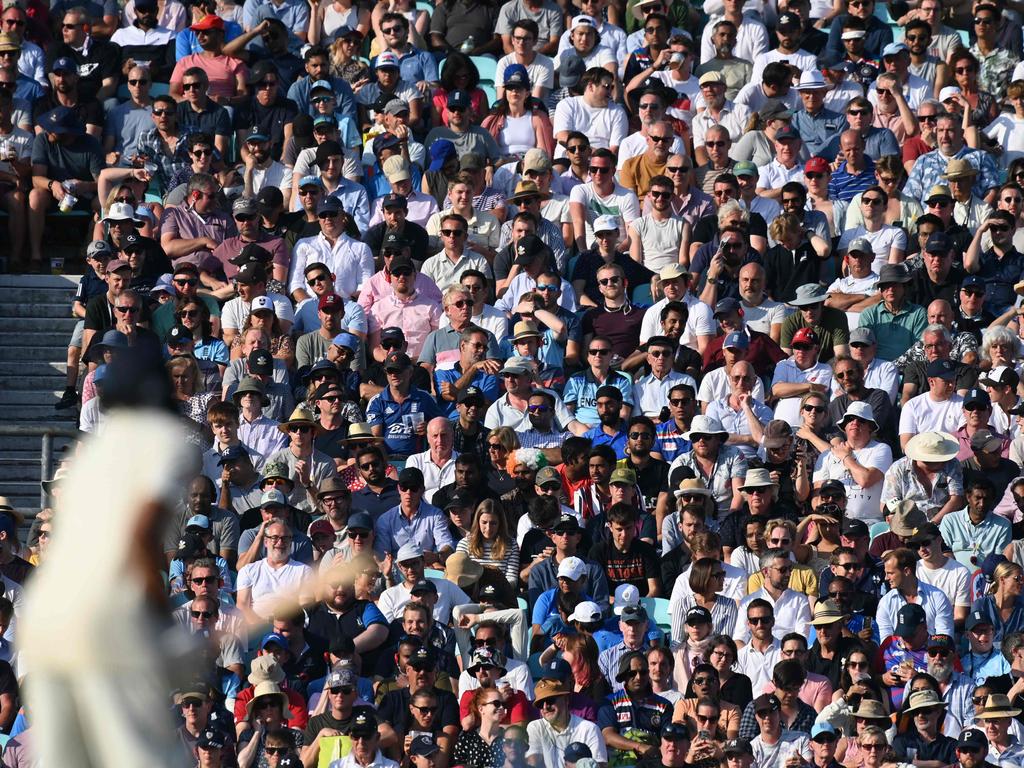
x=486 y=382
x=213 y=119
x=970 y=543
x=597 y=436
x=373 y=503
x=446 y=273
x=549 y=745
x=895 y=332
x=384 y=411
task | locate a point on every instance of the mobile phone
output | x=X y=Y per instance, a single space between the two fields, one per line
x=703 y=733
x=868 y=623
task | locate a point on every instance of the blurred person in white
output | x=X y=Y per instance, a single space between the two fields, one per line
x=940 y=571
x=859 y=463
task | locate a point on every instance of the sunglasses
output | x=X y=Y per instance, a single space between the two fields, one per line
x=191 y=86
x=203 y=614
x=138 y=82
x=609 y=280
x=201 y=152
x=205 y=579
x=757 y=620
x=598 y=169
x=342 y=690
x=301 y=429
x=127 y=310
x=577 y=148
x=814 y=409
x=599 y=352
x=453 y=232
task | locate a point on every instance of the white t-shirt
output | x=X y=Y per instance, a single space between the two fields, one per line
x=802 y=59
x=953 y=579
x=236 y=311
x=922 y=414
x=393 y=600
x=550 y=746
x=776 y=755
x=1008 y=132
x=881 y=242
x=621 y=203
x=786 y=372
x=861 y=503
x=866 y=286
x=265 y=583
x=541 y=71
x=715 y=386
x=606 y=127
x=883 y=375
x=751 y=39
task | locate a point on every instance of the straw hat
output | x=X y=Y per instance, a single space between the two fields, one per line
x=997 y=705
x=869 y=709
x=758 y=478
x=265 y=690
x=692 y=486
x=360 y=432
x=300 y=416
x=827 y=612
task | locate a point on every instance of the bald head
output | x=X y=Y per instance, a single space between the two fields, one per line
x=940 y=313
x=741 y=377
x=440 y=437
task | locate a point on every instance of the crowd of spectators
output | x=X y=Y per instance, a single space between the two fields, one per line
x=614 y=383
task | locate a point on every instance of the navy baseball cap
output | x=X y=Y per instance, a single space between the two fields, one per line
x=974 y=283
x=941 y=369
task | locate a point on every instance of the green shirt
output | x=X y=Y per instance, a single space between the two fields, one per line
x=895 y=333
x=832 y=329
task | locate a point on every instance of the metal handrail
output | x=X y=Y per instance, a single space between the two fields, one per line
x=46 y=450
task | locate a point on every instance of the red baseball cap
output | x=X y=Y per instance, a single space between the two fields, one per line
x=331 y=303
x=209 y=21
x=805 y=336
x=816 y=165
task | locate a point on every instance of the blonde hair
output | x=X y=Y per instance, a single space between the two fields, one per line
x=1001 y=572
x=475 y=540
x=784 y=224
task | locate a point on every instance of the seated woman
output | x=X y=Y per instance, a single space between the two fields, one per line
x=265 y=727
x=519 y=122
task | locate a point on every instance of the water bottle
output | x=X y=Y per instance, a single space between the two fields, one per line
x=468 y=45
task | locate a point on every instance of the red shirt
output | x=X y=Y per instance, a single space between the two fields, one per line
x=519 y=710
x=763 y=353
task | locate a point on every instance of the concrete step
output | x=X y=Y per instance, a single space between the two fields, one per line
x=20 y=397
x=29 y=324
x=39 y=354
x=39 y=415
x=46 y=366
x=23 y=282
x=49 y=340
x=12 y=382
x=14 y=306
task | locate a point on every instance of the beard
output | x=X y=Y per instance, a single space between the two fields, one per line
x=940 y=670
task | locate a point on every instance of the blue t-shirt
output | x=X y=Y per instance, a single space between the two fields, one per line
x=486 y=382
x=598 y=436
x=582 y=390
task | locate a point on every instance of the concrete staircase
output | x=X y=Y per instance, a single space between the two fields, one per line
x=35 y=327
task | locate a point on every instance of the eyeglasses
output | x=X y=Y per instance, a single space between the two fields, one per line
x=393 y=30
x=72 y=26
x=756 y=620
x=205 y=579
x=985 y=21
x=677 y=168
x=661 y=195
x=353 y=534
x=780 y=542
x=814 y=409
x=609 y=280
x=203 y=614
x=680 y=401
x=127 y=310
x=577 y=148
x=496 y=447
x=813 y=175
x=201 y=152
x=856 y=112
x=14 y=23
x=850 y=566
x=461 y=303
x=301 y=429
x=485 y=642
x=538 y=408
x=342 y=690
x=872 y=201
x=276 y=750
x=191 y=86
x=938 y=652
x=714 y=143
x=187 y=281
x=424 y=710
x=599 y=352
x=631 y=673
x=453 y=232
x=278 y=539
x=523 y=38
x=649 y=105
x=138 y=82
x=660 y=139
x=599 y=169
x=192 y=704
x=641 y=436
x=496 y=703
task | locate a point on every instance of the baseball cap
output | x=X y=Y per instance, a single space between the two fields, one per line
x=805 y=336
x=909 y=617
x=941 y=369
x=698 y=614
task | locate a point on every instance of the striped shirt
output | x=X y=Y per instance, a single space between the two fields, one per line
x=509 y=566
x=845 y=185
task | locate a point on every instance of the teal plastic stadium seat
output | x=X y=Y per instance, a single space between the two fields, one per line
x=424 y=5
x=642 y=294
x=657 y=609
x=487 y=67
x=877 y=529
x=489 y=92
x=433 y=573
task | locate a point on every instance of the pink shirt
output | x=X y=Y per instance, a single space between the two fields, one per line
x=233 y=245
x=417 y=317
x=223 y=72
x=816 y=692
x=379 y=286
